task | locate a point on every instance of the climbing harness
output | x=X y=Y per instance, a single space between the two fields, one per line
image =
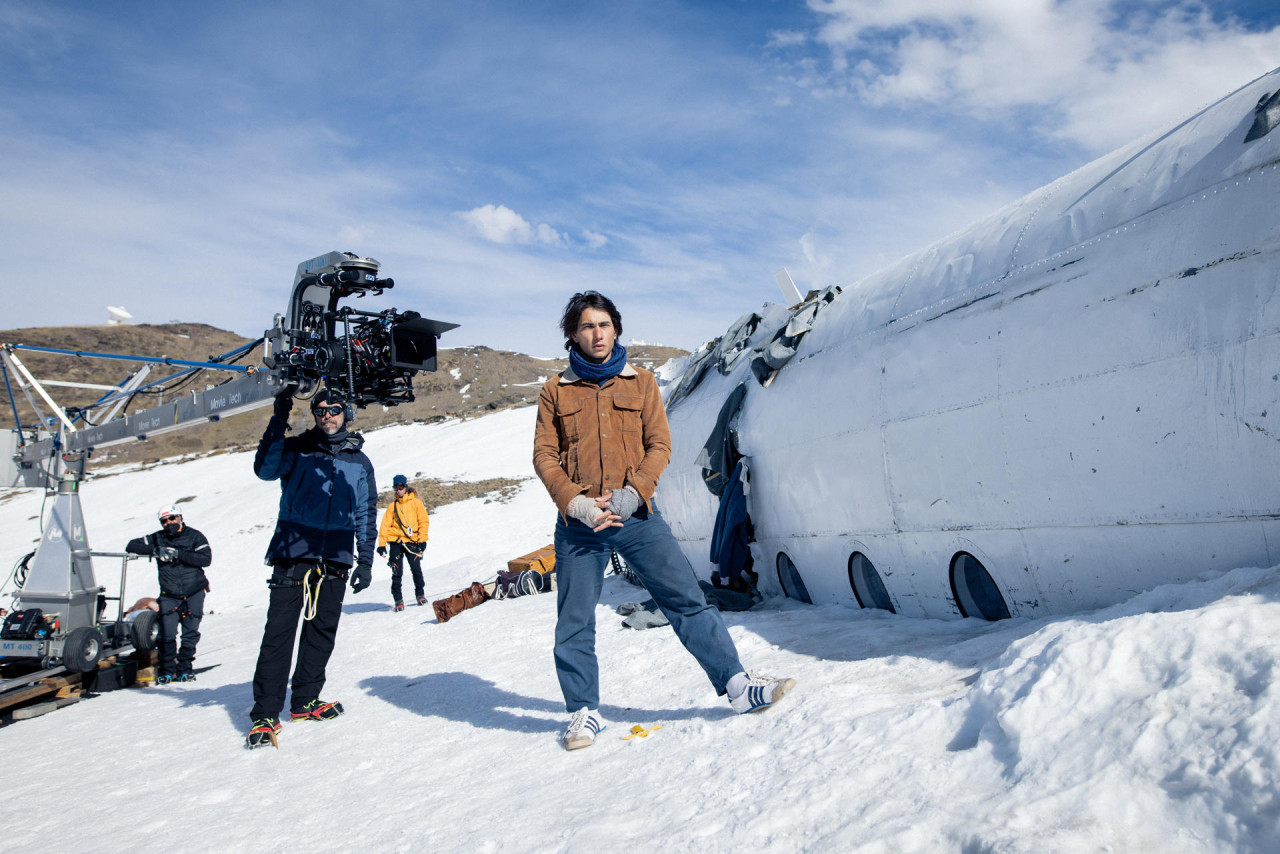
x=311 y=592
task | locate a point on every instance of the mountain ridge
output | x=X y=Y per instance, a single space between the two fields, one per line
x=469 y=381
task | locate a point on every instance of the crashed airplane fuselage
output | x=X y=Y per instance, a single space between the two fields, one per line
x=1075 y=399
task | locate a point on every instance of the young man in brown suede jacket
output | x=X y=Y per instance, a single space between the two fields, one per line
x=600 y=445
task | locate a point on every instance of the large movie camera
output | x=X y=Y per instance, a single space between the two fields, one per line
x=370 y=356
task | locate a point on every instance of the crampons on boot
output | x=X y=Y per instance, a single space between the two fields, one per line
x=264 y=732
x=422 y=600
x=316 y=710
x=399 y=606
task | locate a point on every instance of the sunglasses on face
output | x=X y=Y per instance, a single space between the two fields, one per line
x=332 y=411
x=165 y=520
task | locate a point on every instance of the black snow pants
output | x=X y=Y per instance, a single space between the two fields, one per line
x=289 y=597
x=413 y=552
x=179 y=611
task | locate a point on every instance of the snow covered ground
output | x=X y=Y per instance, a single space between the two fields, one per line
x=1149 y=726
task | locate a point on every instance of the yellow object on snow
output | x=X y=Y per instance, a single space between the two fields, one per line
x=638 y=731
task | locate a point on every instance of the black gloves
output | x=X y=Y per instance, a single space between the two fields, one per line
x=382 y=551
x=284 y=405
x=361 y=578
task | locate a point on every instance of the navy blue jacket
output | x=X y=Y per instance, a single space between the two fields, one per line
x=730 y=543
x=327 y=495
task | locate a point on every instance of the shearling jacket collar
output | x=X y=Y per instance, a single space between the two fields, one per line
x=570 y=377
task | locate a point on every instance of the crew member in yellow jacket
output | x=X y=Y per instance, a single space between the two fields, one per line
x=404 y=526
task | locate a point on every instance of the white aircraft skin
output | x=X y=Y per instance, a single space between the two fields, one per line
x=1082 y=391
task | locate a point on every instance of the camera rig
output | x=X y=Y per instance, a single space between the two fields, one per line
x=370 y=356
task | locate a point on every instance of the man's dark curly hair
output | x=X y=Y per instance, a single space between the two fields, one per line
x=573 y=314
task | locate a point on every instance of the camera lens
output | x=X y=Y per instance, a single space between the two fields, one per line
x=331 y=356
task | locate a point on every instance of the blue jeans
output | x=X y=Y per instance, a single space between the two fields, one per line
x=647 y=545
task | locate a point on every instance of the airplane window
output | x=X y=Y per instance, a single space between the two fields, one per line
x=974 y=589
x=789 y=578
x=1266 y=116
x=867 y=584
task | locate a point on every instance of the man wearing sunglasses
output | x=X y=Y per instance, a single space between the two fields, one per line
x=181 y=554
x=328 y=500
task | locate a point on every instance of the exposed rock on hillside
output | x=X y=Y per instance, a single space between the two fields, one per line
x=470 y=381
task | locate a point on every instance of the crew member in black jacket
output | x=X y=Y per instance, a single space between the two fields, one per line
x=182 y=554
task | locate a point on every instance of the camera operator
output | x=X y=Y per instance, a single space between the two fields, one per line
x=182 y=553
x=328 y=498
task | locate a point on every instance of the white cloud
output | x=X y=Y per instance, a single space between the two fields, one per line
x=786 y=38
x=546 y=234
x=500 y=224
x=594 y=240
x=817 y=263
x=352 y=236
x=1107 y=71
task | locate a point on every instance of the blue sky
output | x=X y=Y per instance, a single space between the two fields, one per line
x=180 y=159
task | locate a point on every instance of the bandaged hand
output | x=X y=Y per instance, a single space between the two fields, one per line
x=586 y=511
x=624 y=502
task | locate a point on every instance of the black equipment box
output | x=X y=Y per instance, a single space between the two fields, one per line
x=23 y=625
x=123 y=674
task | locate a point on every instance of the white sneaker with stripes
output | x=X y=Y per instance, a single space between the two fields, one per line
x=761 y=692
x=585 y=725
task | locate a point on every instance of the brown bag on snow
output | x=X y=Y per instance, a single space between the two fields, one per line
x=543 y=560
x=459 y=602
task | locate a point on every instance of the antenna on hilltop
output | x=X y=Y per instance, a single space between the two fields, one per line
x=117 y=315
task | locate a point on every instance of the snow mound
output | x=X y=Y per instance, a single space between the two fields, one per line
x=1150 y=725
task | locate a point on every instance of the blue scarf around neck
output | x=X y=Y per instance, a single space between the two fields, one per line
x=589 y=370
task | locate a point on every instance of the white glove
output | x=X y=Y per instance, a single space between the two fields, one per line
x=584 y=509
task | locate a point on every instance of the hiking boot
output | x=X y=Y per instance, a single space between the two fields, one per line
x=761 y=692
x=422 y=600
x=264 y=732
x=316 y=710
x=163 y=678
x=399 y=606
x=184 y=677
x=583 y=729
